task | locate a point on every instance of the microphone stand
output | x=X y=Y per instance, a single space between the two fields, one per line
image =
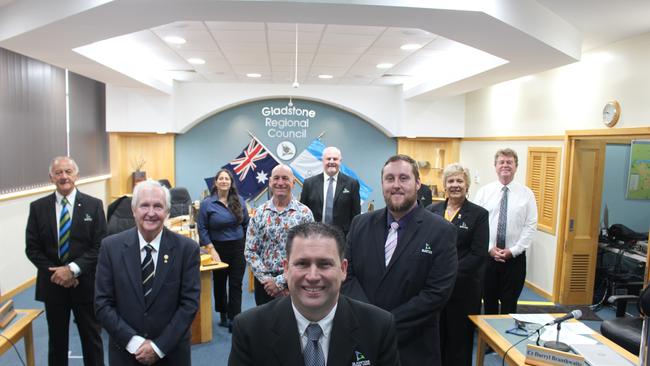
x=556 y=344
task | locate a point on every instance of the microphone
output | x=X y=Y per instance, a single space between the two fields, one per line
x=575 y=314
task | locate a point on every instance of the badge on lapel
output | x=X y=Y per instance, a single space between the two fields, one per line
x=427 y=249
x=360 y=359
x=165 y=258
x=345 y=190
x=87 y=218
x=463 y=225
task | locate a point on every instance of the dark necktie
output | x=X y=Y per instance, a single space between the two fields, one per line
x=329 y=202
x=503 y=219
x=147 y=272
x=313 y=354
x=64 y=231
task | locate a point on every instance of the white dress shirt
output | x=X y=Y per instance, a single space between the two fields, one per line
x=136 y=341
x=522 y=214
x=74 y=267
x=325 y=324
x=326 y=183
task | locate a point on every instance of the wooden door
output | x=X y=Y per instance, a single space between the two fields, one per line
x=580 y=250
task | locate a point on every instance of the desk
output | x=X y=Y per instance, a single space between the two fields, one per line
x=202 y=324
x=21 y=327
x=492 y=336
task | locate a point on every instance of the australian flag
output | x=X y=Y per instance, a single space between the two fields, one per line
x=251 y=169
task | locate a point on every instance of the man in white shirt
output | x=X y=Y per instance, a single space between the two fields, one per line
x=315 y=325
x=513 y=222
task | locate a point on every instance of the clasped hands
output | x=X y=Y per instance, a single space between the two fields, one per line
x=500 y=255
x=63 y=276
x=146 y=354
x=272 y=289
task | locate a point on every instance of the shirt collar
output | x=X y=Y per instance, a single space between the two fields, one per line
x=403 y=221
x=325 y=323
x=291 y=206
x=71 y=197
x=326 y=178
x=155 y=243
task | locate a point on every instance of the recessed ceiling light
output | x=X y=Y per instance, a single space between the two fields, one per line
x=325 y=76
x=175 y=40
x=254 y=75
x=385 y=65
x=411 y=46
x=196 y=61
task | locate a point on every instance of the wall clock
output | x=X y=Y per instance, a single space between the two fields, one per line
x=611 y=113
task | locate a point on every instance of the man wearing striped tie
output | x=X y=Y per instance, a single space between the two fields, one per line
x=148 y=286
x=64 y=231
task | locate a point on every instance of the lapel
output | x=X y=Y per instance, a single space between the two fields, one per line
x=344 y=337
x=51 y=213
x=286 y=344
x=378 y=241
x=168 y=245
x=405 y=240
x=318 y=187
x=132 y=263
x=340 y=184
x=460 y=216
x=440 y=209
x=77 y=214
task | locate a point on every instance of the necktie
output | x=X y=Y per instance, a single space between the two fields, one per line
x=329 y=202
x=391 y=242
x=503 y=219
x=64 y=230
x=147 y=272
x=313 y=354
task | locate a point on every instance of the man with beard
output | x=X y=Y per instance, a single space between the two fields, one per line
x=513 y=222
x=403 y=259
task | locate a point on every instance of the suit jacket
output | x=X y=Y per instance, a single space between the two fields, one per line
x=471 y=246
x=268 y=335
x=425 y=197
x=120 y=304
x=417 y=282
x=347 y=203
x=42 y=238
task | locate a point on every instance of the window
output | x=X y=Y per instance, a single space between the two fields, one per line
x=542 y=177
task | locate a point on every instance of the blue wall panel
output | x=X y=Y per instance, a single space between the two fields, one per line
x=218 y=139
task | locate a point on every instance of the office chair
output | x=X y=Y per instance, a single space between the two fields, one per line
x=181 y=202
x=119 y=215
x=626 y=330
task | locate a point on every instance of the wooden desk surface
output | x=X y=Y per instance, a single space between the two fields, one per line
x=500 y=344
x=212 y=267
x=14 y=330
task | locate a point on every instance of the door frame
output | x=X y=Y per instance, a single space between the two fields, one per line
x=620 y=135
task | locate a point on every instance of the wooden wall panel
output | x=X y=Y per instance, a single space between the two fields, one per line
x=438 y=152
x=126 y=149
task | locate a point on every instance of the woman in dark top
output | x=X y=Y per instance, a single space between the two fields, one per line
x=456 y=330
x=223 y=218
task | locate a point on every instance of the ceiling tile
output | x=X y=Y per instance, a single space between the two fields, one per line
x=302 y=27
x=334 y=39
x=334 y=60
x=229 y=26
x=244 y=36
x=265 y=70
x=291 y=48
x=288 y=59
x=247 y=58
x=230 y=47
x=290 y=37
x=342 y=49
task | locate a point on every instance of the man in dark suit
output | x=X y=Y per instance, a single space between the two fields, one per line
x=314 y=325
x=403 y=259
x=344 y=190
x=64 y=231
x=148 y=288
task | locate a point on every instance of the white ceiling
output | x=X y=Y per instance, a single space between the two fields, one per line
x=121 y=41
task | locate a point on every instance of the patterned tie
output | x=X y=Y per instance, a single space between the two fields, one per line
x=312 y=353
x=391 y=242
x=503 y=219
x=64 y=230
x=147 y=272
x=329 y=202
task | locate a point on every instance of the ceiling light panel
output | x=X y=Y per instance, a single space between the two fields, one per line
x=197 y=40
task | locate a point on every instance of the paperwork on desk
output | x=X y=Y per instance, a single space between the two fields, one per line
x=566 y=336
x=572 y=331
x=533 y=318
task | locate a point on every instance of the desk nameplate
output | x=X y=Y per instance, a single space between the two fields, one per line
x=541 y=356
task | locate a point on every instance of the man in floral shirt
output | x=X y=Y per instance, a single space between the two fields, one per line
x=267 y=235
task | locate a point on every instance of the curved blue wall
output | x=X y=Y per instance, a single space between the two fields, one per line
x=218 y=139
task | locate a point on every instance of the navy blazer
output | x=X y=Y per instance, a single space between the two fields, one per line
x=120 y=304
x=42 y=246
x=268 y=335
x=471 y=245
x=347 y=203
x=417 y=282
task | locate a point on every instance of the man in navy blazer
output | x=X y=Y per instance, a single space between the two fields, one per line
x=65 y=280
x=351 y=332
x=403 y=259
x=346 y=203
x=150 y=323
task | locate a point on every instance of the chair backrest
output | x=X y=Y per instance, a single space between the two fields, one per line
x=120 y=215
x=181 y=201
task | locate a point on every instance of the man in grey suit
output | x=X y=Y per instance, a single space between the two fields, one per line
x=345 y=203
x=147 y=286
x=403 y=259
x=314 y=325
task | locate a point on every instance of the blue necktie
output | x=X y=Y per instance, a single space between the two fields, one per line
x=313 y=354
x=328 y=217
x=64 y=230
